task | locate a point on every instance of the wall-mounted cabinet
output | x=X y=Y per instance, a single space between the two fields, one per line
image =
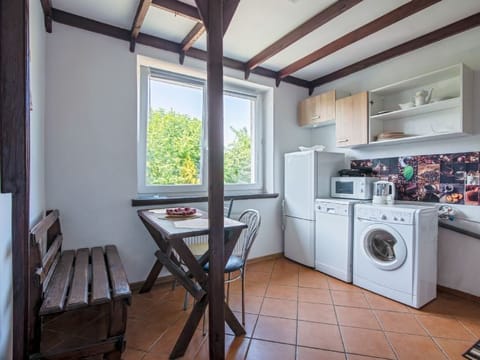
x=318 y=110
x=404 y=112
x=352 y=120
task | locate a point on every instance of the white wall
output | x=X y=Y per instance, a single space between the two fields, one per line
x=91 y=119
x=37 y=174
x=458 y=255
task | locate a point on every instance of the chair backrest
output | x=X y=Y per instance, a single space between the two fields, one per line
x=251 y=217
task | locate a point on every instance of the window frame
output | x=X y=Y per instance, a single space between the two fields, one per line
x=232 y=88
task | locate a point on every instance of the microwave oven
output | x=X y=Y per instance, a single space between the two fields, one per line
x=354 y=187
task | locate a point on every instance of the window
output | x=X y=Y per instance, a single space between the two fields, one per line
x=172 y=141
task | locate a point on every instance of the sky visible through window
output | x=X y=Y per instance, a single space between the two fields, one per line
x=188 y=100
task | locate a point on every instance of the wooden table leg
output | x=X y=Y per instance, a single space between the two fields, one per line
x=152 y=276
x=189 y=328
x=233 y=322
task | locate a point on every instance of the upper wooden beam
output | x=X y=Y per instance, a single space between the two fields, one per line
x=194 y=34
x=178 y=8
x=138 y=21
x=296 y=34
x=159 y=43
x=229 y=8
x=419 y=42
x=47 y=14
x=380 y=23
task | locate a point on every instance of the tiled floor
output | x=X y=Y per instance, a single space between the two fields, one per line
x=299 y=313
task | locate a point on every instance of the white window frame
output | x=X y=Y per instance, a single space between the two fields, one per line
x=231 y=88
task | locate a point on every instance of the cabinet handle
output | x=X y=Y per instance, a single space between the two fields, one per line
x=343 y=140
x=315 y=117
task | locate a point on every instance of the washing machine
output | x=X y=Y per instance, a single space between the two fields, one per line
x=395 y=251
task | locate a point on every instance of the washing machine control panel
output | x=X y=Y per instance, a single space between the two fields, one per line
x=385 y=214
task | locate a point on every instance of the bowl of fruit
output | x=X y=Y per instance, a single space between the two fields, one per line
x=181 y=212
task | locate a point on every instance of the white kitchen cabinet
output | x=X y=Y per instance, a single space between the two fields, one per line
x=448 y=112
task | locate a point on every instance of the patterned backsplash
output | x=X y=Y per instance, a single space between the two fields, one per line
x=446 y=178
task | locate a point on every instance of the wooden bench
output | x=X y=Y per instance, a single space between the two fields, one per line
x=81 y=295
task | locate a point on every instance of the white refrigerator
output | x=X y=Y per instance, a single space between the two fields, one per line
x=307 y=176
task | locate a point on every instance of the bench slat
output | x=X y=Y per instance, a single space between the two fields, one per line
x=78 y=296
x=100 y=286
x=118 y=277
x=48 y=258
x=57 y=290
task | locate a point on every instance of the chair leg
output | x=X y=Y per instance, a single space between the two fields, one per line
x=203 y=326
x=228 y=286
x=185 y=301
x=243 y=297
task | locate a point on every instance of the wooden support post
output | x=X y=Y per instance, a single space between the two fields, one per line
x=212 y=15
x=14 y=153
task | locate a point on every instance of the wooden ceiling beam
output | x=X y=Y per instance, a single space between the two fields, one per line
x=178 y=8
x=159 y=43
x=417 y=43
x=142 y=9
x=229 y=8
x=296 y=34
x=47 y=14
x=194 y=34
x=372 y=27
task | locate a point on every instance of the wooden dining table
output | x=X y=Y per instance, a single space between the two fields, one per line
x=174 y=254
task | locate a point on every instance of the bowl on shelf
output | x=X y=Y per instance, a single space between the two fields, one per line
x=407 y=105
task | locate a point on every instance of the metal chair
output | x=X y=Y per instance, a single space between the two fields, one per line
x=238 y=260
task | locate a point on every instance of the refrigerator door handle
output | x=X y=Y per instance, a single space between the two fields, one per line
x=283 y=215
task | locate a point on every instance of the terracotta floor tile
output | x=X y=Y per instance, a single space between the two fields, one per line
x=165 y=344
x=285 y=265
x=320 y=336
x=250 y=321
x=256 y=277
x=279 y=308
x=400 y=322
x=323 y=313
x=288 y=279
x=381 y=303
x=282 y=292
x=473 y=326
x=251 y=288
x=304 y=353
x=235 y=349
x=265 y=350
x=252 y=303
x=445 y=327
x=262 y=266
x=357 y=317
x=414 y=347
x=132 y=354
x=349 y=298
x=313 y=279
x=361 y=357
x=276 y=329
x=335 y=284
x=366 y=342
x=141 y=335
x=454 y=348
x=311 y=295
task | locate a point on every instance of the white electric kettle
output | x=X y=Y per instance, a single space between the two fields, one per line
x=384 y=192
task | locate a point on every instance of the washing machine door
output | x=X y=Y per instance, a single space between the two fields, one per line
x=384 y=246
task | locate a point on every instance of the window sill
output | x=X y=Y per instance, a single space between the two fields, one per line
x=148 y=200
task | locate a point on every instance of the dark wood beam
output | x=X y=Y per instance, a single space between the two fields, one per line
x=159 y=43
x=142 y=9
x=14 y=154
x=190 y=39
x=417 y=43
x=229 y=8
x=296 y=34
x=47 y=14
x=216 y=288
x=378 y=24
x=179 y=8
